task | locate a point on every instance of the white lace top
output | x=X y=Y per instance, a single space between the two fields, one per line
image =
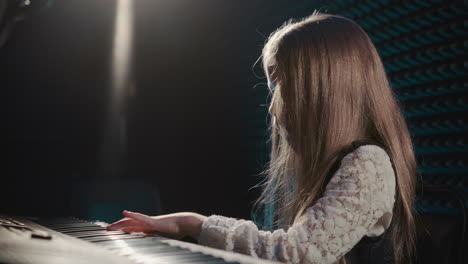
x=358 y=201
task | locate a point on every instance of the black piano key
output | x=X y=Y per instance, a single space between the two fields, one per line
x=204 y=259
x=110 y=238
x=96 y=233
x=74 y=230
x=46 y=221
x=50 y=225
x=71 y=225
x=78 y=227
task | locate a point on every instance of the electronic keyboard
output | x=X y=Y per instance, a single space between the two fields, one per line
x=71 y=240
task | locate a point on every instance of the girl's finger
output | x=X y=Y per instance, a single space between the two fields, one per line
x=139 y=217
x=123 y=223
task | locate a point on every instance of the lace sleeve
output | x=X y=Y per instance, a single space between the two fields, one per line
x=358 y=201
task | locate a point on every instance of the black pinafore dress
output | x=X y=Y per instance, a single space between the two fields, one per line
x=370 y=250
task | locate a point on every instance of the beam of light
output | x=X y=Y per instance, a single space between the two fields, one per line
x=123 y=36
x=114 y=144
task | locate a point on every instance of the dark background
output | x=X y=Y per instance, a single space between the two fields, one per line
x=195 y=128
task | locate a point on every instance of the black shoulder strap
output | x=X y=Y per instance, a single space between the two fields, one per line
x=354 y=145
x=369 y=249
x=359 y=143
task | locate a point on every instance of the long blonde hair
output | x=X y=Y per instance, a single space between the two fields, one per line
x=330 y=90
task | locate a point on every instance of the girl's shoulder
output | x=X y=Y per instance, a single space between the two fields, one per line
x=365 y=150
x=364 y=146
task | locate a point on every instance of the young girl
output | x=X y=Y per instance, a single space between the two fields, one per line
x=341 y=178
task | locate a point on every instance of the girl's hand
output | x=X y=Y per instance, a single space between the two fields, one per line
x=176 y=226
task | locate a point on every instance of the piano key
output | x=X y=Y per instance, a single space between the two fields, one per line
x=78 y=227
x=95 y=233
x=109 y=238
x=182 y=260
x=74 y=230
x=133 y=242
x=174 y=254
x=134 y=247
x=58 y=225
